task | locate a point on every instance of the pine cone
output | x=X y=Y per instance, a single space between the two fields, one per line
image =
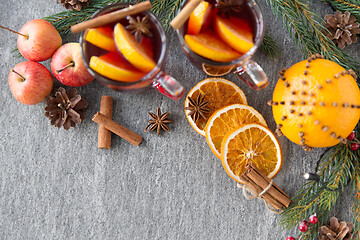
x=343 y=28
x=74 y=4
x=336 y=230
x=66 y=108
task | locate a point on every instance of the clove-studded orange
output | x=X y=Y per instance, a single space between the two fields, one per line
x=316 y=103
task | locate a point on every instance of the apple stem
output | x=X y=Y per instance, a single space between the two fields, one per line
x=22 y=78
x=71 y=64
x=25 y=36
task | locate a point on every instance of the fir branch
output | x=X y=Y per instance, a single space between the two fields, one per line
x=349 y=5
x=336 y=169
x=62 y=21
x=166 y=10
x=308 y=31
x=356 y=204
x=270 y=47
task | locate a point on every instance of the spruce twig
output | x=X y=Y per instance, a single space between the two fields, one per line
x=352 y=6
x=336 y=169
x=270 y=47
x=166 y=10
x=356 y=204
x=308 y=31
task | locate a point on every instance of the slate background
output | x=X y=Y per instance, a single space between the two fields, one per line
x=56 y=184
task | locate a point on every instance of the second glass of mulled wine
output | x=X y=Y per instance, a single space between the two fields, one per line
x=221 y=36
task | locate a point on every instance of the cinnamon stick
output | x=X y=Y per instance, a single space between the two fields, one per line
x=258 y=181
x=116 y=128
x=104 y=135
x=185 y=13
x=263 y=181
x=258 y=190
x=111 y=17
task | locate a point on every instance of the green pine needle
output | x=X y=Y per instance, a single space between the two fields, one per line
x=341 y=164
x=356 y=204
x=166 y=10
x=353 y=6
x=308 y=31
x=336 y=169
x=270 y=47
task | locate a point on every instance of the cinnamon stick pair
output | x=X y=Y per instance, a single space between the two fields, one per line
x=107 y=125
x=258 y=181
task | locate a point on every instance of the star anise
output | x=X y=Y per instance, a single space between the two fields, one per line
x=139 y=27
x=197 y=107
x=227 y=6
x=158 y=121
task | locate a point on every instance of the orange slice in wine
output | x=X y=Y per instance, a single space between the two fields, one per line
x=199 y=17
x=101 y=37
x=210 y=46
x=114 y=66
x=236 y=32
x=132 y=50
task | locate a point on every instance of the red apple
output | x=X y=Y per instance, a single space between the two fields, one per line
x=39 y=40
x=68 y=67
x=30 y=82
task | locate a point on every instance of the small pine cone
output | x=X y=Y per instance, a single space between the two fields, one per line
x=336 y=230
x=66 y=109
x=76 y=5
x=343 y=28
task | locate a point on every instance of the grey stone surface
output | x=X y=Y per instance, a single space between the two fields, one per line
x=56 y=184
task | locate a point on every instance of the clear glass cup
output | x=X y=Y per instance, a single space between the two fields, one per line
x=156 y=78
x=244 y=67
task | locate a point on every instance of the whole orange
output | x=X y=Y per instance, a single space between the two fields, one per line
x=316 y=103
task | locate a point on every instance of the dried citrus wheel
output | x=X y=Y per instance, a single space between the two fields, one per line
x=219 y=92
x=251 y=142
x=227 y=119
x=216 y=71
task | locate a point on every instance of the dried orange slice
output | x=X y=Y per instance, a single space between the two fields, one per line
x=216 y=71
x=112 y=65
x=132 y=50
x=219 y=92
x=209 y=45
x=251 y=142
x=101 y=37
x=199 y=17
x=227 y=119
x=236 y=32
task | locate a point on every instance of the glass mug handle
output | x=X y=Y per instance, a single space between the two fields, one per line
x=253 y=75
x=168 y=86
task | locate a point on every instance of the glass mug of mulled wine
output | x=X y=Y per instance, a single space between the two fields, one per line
x=222 y=36
x=124 y=58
